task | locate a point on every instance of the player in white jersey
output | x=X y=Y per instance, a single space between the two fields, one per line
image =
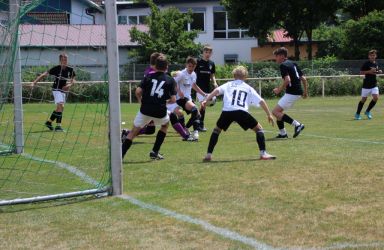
x=237 y=97
x=186 y=81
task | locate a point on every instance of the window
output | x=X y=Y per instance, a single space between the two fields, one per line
x=198 y=22
x=224 y=28
x=122 y=19
x=230 y=58
x=133 y=20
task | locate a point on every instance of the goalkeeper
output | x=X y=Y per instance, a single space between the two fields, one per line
x=62 y=73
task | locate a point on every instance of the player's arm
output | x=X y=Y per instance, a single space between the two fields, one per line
x=265 y=107
x=139 y=94
x=305 y=86
x=213 y=79
x=283 y=86
x=41 y=76
x=198 y=89
x=171 y=100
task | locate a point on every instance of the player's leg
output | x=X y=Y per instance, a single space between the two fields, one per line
x=222 y=123
x=127 y=142
x=260 y=139
x=364 y=95
x=154 y=154
x=375 y=98
x=180 y=117
x=194 y=119
x=285 y=103
x=201 y=98
x=177 y=126
x=59 y=116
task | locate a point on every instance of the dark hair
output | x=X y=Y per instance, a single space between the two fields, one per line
x=191 y=60
x=161 y=63
x=154 y=56
x=281 y=51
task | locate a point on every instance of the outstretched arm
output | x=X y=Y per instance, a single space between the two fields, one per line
x=39 y=78
x=264 y=105
x=198 y=89
x=215 y=92
x=283 y=86
x=305 y=85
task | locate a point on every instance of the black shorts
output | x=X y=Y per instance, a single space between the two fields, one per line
x=181 y=102
x=244 y=119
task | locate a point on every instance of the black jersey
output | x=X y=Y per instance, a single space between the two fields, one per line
x=61 y=76
x=204 y=69
x=290 y=68
x=157 y=89
x=370 y=80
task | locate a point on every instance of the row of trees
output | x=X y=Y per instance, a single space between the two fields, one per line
x=348 y=28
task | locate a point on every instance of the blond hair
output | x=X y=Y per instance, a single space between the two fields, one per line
x=240 y=72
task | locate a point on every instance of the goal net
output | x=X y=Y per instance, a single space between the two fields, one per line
x=53 y=163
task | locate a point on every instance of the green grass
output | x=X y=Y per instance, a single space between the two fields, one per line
x=324 y=190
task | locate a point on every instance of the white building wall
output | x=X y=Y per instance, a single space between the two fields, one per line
x=79 y=15
x=221 y=47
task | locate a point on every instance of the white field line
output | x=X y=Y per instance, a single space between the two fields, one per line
x=335 y=138
x=226 y=233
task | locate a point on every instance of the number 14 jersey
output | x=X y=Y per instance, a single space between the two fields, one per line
x=238 y=96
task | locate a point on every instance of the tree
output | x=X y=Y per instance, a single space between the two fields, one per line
x=296 y=17
x=166 y=34
x=359 y=8
x=363 y=35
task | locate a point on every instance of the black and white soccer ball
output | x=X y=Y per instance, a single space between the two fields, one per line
x=212 y=102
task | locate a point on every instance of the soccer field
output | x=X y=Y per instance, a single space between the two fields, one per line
x=324 y=190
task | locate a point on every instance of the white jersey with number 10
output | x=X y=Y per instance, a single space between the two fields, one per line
x=238 y=96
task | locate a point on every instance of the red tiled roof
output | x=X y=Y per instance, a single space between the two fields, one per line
x=279 y=36
x=50 y=17
x=73 y=35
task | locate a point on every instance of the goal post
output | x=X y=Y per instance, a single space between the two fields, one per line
x=40 y=162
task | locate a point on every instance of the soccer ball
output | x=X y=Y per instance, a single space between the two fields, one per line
x=212 y=102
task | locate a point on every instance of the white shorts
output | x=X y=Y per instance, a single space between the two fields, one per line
x=171 y=107
x=200 y=97
x=59 y=96
x=367 y=92
x=288 y=100
x=142 y=120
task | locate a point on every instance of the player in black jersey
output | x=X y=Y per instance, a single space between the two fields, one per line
x=292 y=80
x=369 y=69
x=205 y=71
x=154 y=92
x=60 y=87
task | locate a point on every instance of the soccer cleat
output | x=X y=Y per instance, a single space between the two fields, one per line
x=189 y=138
x=124 y=134
x=357 y=117
x=49 y=125
x=207 y=158
x=368 y=114
x=196 y=135
x=202 y=129
x=266 y=156
x=155 y=156
x=59 y=129
x=298 y=130
x=280 y=136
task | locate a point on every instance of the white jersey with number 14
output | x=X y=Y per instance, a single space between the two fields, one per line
x=238 y=96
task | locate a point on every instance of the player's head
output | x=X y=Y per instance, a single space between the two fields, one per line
x=372 y=54
x=240 y=72
x=153 y=57
x=161 y=63
x=280 y=54
x=207 y=52
x=63 y=58
x=190 y=64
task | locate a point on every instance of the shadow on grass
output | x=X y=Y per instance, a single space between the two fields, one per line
x=46 y=204
x=226 y=161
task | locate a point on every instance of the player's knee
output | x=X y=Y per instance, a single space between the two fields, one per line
x=150 y=130
x=216 y=131
x=173 y=118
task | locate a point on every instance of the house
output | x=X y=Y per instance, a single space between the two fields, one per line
x=230 y=43
x=264 y=52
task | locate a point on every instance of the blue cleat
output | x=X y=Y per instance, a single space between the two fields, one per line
x=368 y=114
x=357 y=117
